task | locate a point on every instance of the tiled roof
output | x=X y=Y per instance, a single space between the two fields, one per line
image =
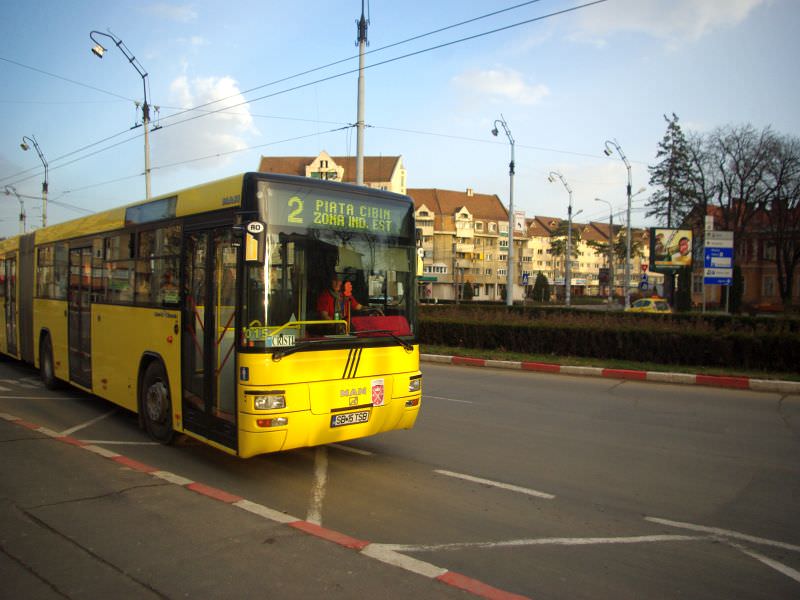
x=376 y=168
x=446 y=202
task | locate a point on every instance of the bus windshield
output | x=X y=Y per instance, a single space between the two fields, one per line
x=336 y=267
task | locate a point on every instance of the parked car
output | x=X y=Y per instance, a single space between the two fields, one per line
x=650 y=305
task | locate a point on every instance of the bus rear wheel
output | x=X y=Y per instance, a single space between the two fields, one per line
x=156 y=404
x=47 y=369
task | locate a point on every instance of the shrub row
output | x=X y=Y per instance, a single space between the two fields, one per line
x=759 y=351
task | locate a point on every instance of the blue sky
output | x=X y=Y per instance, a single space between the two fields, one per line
x=565 y=85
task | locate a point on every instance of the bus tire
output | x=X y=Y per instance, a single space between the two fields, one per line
x=156 y=404
x=47 y=369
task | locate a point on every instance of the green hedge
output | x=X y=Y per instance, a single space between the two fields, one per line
x=705 y=346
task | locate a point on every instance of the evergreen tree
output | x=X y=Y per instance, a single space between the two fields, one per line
x=541 y=289
x=671 y=176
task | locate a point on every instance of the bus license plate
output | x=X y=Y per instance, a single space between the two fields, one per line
x=350 y=418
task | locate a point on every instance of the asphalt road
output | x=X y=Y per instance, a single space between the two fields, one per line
x=545 y=486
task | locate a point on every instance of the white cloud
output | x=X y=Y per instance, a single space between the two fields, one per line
x=500 y=84
x=172 y=12
x=221 y=130
x=667 y=19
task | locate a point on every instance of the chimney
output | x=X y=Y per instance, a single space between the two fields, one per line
x=469 y=192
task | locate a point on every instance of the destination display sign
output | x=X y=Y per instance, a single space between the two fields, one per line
x=322 y=209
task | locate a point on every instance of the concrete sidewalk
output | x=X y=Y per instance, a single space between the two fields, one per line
x=93 y=524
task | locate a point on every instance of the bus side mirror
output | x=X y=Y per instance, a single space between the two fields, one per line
x=254 y=237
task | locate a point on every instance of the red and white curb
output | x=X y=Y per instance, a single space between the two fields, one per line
x=733 y=382
x=381 y=552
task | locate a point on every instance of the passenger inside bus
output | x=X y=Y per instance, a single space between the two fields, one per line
x=337 y=301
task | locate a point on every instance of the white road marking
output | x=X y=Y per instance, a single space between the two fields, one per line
x=448 y=399
x=386 y=554
x=72 y=430
x=4 y=389
x=120 y=443
x=724 y=533
x=498 y=484
x=101 y=451
x=780 y=567
x=351 y=450
x=266 y=512
x=172 y=478
x=639 y=539
x=318 y=488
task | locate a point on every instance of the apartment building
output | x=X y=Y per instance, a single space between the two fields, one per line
x=465 y=242
x=380 y=172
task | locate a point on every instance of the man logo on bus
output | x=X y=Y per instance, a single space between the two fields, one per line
x=377 y=392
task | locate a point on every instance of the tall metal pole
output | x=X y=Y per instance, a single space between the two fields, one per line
x=363 y=23
x=9 y=189
x=510 y=269
x=24 y=145
x=610 y=250
x=627 y=288
x=568 y=263
x=98 y=50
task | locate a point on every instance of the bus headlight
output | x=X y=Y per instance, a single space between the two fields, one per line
x=415 y=383
x=269 y=401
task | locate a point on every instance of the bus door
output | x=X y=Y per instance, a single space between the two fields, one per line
x=79 y=316
x=208 y=340
x=11 y=305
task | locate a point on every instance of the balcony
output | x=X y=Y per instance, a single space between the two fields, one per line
x=466 y=248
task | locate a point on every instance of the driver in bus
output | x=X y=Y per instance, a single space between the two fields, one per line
x=337 y=303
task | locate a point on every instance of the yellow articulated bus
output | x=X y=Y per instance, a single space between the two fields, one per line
x=256 y=313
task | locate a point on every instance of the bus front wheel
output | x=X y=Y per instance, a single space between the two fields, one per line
x=156 y=404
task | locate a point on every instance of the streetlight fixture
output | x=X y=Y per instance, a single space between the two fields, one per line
x=568 y=271
x=25 y=145
x=610 y=250
x=9 y=190
x=98 y=50
x=510 y=274
x=608 y=152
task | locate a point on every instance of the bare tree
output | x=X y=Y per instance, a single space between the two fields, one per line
x=780 y=211
x=740 y=158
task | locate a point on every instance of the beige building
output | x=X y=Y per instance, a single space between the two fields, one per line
x=465 y=241
x=380 y=172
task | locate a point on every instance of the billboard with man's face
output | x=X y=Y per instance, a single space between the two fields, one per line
x=670 y=249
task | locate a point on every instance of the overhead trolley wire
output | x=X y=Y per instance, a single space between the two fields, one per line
x=320 y=80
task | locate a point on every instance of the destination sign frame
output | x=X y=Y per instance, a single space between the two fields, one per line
x=310 y=207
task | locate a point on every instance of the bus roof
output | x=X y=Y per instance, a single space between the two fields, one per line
x=206 y=197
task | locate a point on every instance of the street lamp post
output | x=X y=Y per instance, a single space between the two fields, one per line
x=510 y=274
x=25 y=145
x=568 y=270
x=98 y=50
x=610 y=250
x=608 y=152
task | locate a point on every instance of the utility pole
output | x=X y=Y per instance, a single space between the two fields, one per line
x=363 y=23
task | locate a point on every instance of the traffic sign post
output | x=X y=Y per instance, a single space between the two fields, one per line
x=717 y=260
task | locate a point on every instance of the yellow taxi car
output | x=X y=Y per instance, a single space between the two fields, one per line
x=650 y=305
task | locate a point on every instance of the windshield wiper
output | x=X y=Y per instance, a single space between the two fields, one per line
x=406 y=346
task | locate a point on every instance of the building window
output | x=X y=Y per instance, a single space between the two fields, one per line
x=768 y=286
x=478 y=226
x=501 y=271
x=697 y=284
